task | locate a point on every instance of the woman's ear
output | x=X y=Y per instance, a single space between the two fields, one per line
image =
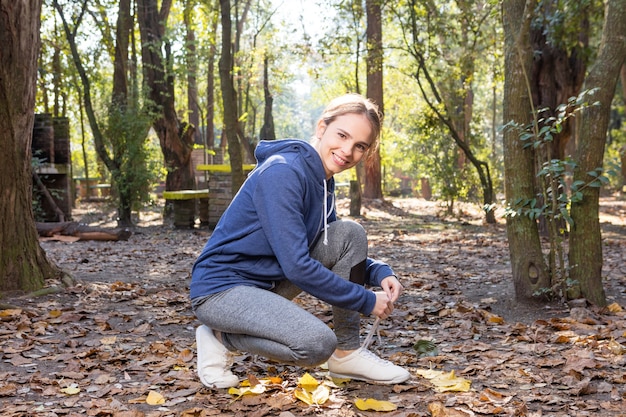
x=321 y=128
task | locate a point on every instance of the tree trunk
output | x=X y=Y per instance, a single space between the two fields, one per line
x=175 y=138
x=585 y=240
x=229 y=99
x=210 y=85
x=81 y=231
x=267 y=131
x=23 y=264
x=192 y=71
x=529 y=268
x=374 y=64
x=557 y=74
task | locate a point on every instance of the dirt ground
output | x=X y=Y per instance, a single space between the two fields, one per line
x=125 y=332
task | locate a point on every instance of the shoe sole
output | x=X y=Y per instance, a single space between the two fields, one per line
x=372 y=381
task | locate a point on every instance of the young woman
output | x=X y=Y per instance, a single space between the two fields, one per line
x=280 y=236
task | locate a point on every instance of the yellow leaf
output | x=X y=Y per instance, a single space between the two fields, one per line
x=276 y=380
x=10 y=312
x=55 y=313
x=374 y=405
x=308 y=382
x=255 y=390
x=614 y=308
x=450 y=382
x=317 y=396
x=445 y=381
x=71 y=390
x=154 y=398
x=428 y=373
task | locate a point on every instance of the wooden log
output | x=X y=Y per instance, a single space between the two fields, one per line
x=81 y=231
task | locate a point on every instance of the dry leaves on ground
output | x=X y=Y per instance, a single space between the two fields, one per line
x=121 y=343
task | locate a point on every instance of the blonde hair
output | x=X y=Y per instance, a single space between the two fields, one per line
x=353 y=103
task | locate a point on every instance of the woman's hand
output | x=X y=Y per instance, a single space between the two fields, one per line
x=384 y=306
x=392 y=287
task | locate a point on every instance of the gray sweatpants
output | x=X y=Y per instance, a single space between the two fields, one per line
x=269 y=324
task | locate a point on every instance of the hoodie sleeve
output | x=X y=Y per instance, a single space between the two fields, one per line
x=280 y=204
x=376 y=271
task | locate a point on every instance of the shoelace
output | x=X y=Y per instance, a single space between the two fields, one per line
x=372 y=356
x=370 y=334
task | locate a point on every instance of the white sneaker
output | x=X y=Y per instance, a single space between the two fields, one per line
x=213 y=360
x=366 y=366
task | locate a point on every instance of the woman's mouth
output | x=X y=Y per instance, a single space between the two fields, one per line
x=338 y=160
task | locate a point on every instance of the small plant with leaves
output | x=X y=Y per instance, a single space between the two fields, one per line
x=557 y=192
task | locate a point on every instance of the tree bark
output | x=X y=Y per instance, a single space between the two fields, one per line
x=267 y=130
x=191 y=56
x=175 y=138
x=374 y=64
x=585 y=240
x=528 y=265
x=557 y=73
x=229 y=99
x=23 y=264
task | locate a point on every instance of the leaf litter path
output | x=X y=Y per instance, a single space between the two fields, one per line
x=121 y=343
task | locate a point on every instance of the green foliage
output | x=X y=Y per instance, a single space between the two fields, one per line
x=139 y=159
x=434 y=155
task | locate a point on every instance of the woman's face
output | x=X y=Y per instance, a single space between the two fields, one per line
x=343 y=142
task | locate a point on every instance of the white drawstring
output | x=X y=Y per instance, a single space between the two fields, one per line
x=325 y=213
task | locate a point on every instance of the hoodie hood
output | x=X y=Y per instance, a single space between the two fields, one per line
x=286 y=150
x=280 y=150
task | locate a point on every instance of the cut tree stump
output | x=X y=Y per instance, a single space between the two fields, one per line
x=77 y=231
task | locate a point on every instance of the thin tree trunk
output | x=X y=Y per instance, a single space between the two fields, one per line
x=267 y=131
x=175 y=137
x=528 y=265
x=374 y=64
x=229 y=98
x=585 y=240
x=192 y=70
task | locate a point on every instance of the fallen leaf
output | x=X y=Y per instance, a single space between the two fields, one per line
x=154 y=398
x=445 y=381
x=71 y=390
x=317 y=396
x=374 y=405
x=307 y=382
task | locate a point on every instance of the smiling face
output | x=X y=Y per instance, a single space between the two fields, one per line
x=343 y=142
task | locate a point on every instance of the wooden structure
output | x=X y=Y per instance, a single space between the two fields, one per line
x=186 y=203
x=52 y=175
x=220 y=187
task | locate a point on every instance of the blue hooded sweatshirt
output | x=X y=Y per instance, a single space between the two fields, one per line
x=266 y=233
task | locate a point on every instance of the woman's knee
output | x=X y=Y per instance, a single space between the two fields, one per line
x=316 y=349
x=352 y=233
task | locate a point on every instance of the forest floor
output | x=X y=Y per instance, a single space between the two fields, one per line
x=121 y=341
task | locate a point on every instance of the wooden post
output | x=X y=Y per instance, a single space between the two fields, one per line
x=355 y=199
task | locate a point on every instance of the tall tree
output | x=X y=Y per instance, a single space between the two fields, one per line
x=119 y=144
x=530 y=272
x=372 y=187
x=175 y=136
x=448 y=90
x=229 y=99
x=191 y=57
x=23 y=264
x=585 y=241
x=214 y=18
x=267 y=130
